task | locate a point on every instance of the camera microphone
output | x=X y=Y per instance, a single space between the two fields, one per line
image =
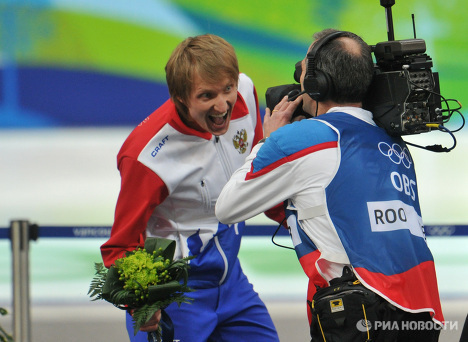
x=294 y=94
x=274 y=95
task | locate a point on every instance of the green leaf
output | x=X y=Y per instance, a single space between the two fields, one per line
x=112 y=281
x=162 y=291
x=179 y=269
x=120 y=297
x=4 y=336
x=142 y=315
x=168 y=246
x=95 y=288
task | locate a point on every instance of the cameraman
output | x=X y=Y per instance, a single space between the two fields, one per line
x=351 y=203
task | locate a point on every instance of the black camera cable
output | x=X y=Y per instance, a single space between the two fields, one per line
x=276 y=232
x=440 y=127
x=437 y=148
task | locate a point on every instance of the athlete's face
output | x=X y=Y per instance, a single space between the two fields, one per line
x=210 y=105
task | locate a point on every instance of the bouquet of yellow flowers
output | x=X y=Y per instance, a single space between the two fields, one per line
x=144 y=280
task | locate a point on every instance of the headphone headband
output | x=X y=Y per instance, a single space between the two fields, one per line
x=318 y=84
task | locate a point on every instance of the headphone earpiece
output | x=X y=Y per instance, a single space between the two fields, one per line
x=317 y=83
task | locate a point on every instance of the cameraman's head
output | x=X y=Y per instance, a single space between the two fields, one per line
x=347 y=63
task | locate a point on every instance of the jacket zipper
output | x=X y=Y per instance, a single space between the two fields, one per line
x=205 y=195
x=225 y=162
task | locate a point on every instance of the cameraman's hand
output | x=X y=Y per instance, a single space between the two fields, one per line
x=281 y=115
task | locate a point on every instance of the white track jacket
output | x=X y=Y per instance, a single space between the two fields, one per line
x=171 y=177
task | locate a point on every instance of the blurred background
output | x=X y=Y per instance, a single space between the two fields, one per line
x=77 y=75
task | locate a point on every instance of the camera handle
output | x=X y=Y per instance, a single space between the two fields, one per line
x=388 y=12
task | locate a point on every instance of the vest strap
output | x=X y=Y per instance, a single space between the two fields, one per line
x=308 y=213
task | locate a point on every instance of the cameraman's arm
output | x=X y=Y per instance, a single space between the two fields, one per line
x=252 y=191
x=260 y=184
x=244 y=197
x=296 y=162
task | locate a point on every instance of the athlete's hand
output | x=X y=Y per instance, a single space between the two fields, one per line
x=153 y=323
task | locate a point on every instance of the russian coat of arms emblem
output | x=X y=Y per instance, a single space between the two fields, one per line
x=240 y=141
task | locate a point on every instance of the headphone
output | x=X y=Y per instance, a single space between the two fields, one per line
x=317 y=83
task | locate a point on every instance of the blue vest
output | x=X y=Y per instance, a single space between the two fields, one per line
x=373 y=199
x=372 y=202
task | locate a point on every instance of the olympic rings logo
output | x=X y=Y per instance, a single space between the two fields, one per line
x=396 y=154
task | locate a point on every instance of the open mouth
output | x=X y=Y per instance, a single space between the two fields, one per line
x=218 y=119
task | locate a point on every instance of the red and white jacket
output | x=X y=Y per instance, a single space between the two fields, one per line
x=171 y=177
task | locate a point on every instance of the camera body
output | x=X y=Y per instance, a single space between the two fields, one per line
x=274 y=95
x=404 y=94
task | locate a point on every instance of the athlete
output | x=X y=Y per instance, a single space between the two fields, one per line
x=351 y=202
x=173 y=167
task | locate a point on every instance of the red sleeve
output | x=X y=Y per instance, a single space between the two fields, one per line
x=258 y=127
x=277 y=214
x=141 y=191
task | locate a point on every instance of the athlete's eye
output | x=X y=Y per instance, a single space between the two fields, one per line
x=205 y=95
x=230 y=87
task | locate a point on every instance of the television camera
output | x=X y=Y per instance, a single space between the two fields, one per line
x=404 y=95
